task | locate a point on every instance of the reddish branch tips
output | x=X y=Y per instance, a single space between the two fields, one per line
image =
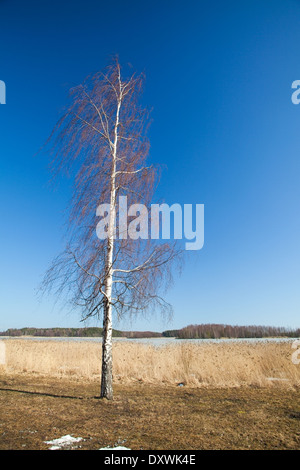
x=101 y=141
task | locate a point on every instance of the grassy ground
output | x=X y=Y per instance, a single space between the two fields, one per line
x=35 y=409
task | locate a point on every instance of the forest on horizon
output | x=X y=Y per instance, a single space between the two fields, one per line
x=201 y=331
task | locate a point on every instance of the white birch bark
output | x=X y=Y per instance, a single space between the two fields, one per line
x=107 y=376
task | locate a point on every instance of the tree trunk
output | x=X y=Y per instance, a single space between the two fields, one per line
x=106 y=379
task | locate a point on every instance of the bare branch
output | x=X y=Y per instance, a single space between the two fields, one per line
x=101 y=142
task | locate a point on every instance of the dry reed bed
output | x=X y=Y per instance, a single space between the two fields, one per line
x=227 y=364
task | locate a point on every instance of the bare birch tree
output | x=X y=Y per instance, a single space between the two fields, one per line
x=101 y=140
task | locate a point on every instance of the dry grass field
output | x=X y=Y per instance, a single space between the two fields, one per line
x=224 y=364
x=234 y=396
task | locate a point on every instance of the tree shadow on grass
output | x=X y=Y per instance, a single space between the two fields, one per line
x=44 y=394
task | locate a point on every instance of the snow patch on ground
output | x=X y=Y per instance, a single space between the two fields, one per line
x=64 y=441
x=68 y=441
x=114 y=448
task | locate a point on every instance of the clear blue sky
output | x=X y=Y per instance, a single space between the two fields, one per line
x=218 y=76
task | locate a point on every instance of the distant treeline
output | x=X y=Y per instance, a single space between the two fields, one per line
x=216 y=331
x=204 y=331
x=92 y=332
x=141 y=334
x=57 y=332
